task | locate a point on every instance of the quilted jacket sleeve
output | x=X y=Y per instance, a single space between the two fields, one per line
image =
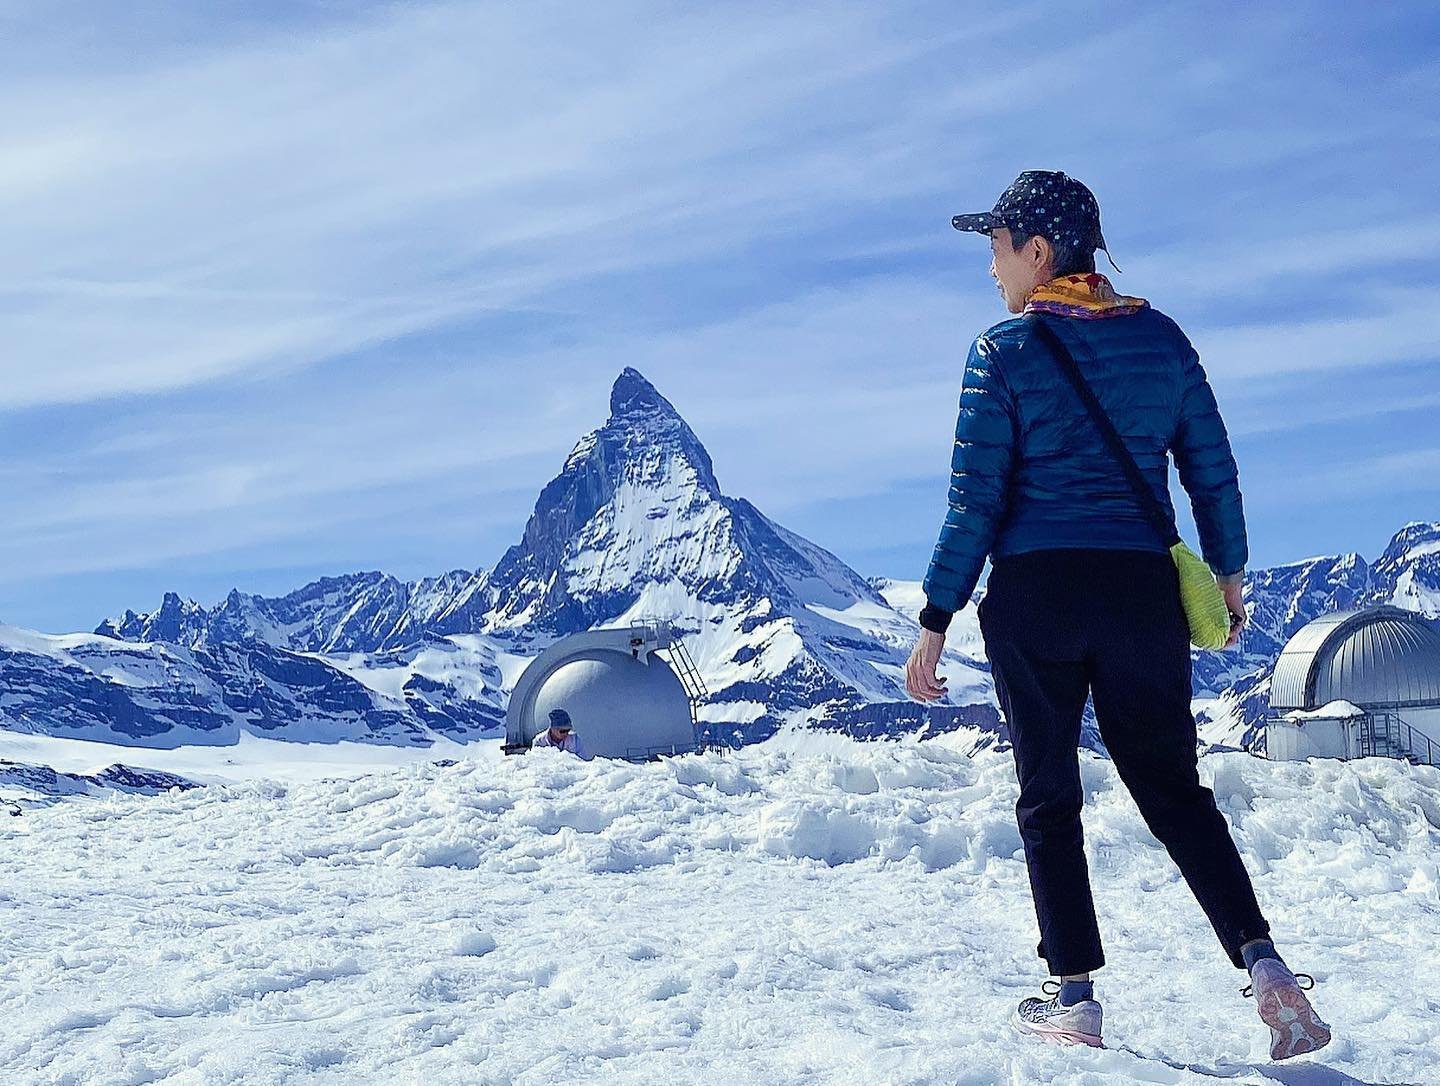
x=986 y=437
x=1208 y=473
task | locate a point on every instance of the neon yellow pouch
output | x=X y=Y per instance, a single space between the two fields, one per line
x=1204 y=602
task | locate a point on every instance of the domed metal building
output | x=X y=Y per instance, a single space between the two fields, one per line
x=1357 y=683
x=625 y=700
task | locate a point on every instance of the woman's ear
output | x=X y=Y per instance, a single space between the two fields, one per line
x=1041 y=251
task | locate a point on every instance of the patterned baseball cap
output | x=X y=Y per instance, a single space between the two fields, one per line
x=1047 y=203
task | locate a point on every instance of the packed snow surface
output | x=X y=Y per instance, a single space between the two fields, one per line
x=807 y=910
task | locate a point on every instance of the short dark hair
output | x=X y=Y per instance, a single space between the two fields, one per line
x=1066 y=257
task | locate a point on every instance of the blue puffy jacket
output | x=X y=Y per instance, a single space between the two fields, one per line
x=1030 y=471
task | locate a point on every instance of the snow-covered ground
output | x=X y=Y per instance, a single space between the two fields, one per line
x=809 y=910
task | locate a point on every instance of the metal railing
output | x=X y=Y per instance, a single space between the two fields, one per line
x=1418 y=742
x=1387 y=735
x=645 y=754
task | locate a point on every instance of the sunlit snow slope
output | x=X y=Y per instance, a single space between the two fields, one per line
x=806 y=910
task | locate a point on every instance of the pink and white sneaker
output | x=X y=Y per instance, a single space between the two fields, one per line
x=1077 y=1024
x=1295 y=1028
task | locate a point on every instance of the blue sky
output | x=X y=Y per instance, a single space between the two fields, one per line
x=297 y=289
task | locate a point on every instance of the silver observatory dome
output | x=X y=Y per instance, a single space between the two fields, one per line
x=1376 y=658
x=624 y=699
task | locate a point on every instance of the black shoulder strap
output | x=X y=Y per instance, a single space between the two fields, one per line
x=1154 y=511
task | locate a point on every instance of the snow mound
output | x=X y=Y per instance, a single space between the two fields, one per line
x=1339 y=709
x=809 y=909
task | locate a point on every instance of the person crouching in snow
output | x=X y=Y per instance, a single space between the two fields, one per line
x=1083 y=597
x=560 y=734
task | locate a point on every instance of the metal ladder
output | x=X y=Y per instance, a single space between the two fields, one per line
x=689 y=676
x=679 y=658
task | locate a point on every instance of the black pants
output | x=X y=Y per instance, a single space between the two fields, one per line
x=1059 y=624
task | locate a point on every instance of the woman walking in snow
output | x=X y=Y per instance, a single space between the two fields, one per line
x=1083 y=596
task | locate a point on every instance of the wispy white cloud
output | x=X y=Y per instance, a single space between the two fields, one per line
x=299 y=199
x=1396 y=325
x=1240 y=264
x=1408 y=472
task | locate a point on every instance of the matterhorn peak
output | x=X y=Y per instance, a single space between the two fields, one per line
x=643 y=426
x=633 y=395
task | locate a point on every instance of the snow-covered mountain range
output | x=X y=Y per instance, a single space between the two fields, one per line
x=634 y=526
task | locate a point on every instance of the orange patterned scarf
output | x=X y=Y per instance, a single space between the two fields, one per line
x=1088 y=295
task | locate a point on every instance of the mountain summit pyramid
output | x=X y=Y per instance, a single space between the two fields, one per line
x=636 y=518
